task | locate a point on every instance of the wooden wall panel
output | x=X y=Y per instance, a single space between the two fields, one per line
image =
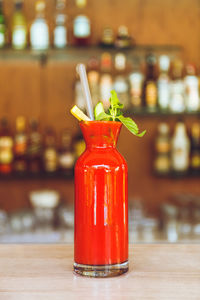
x=20 y=89
x=29 y=89
x=58 y=90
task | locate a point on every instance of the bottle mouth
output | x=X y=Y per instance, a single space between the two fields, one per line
x=100 y=133
x=99 y=122
x=101 y=126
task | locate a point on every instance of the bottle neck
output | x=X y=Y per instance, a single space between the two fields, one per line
x=100 y=134
x=40 y=15
x=18 y=7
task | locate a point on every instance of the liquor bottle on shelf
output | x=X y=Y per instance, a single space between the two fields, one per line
x=180 y=149
x=20 y=164
x=162 y=164
x=81 y=26
x=195 y=148
x=19 y=27
x=150 y=83
x=93 y=78
x=2 y=26
x=35 y=148
x=81 y=3
x=60 y=30
x=177 y=99
x=106 y=80
x=123 y=39
x=39 y=31
x=66 y=157
x=50 y=155
x=164 y=83
x=136 y=79
x=6 y=148
x=120 y=83
x=107 y=39
x=192 y=100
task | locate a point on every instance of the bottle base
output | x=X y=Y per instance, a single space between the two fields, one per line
x=101 y=271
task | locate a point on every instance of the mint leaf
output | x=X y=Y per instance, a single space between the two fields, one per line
x=99 y=112
x=131 y=125
x=114 y=101
x=115 y=106
x=141 y=134
x=102 y=116
x=115 y=114
x=98 y=109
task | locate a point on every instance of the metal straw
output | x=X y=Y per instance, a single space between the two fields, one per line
x=85 y=88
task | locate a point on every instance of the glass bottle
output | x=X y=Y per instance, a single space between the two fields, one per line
x=192 y=100
x=177 y=95
x=60 y=30
x=66 y=154
x=50 y=155
x=81 y=3
x=93 y=78
x=19 y=27
x=123 y=39
x=107 y=39
x=120 y=83
x=162 y=162
x=81 y=26
x=164 y=82
x=195 y=148
x=150 y=83
x=101 y=206
x=106 y=80
x=136 y=80
x=39 y=31
x=34 y=148
x=81 y=30
x=2 y=26
x=6 y=148
x=180 y=149
x=20 y=146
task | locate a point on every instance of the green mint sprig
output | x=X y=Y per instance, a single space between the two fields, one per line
x=115 y=114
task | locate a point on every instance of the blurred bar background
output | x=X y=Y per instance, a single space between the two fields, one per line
x=148 y=51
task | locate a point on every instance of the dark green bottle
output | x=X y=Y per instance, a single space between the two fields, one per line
x=2 y=26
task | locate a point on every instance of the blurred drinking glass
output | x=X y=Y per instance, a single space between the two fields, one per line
x=170 y=215
x=44 y=203
x=3 y=222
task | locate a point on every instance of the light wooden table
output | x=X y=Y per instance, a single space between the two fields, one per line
x=167 y=272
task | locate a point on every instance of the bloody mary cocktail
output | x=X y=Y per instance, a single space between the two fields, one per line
x=101 y=208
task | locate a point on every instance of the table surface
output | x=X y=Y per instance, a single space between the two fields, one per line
x=157 y=271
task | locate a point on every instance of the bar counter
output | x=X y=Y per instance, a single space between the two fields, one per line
x=157 y=271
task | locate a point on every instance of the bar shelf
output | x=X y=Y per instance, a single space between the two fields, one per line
x=74 y=54
x=144 y=112
x=39 y=176
x=177 y=175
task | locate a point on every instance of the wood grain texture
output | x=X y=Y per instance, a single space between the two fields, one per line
x=157 y=272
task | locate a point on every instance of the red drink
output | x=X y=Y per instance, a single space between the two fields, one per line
x=101 y=206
